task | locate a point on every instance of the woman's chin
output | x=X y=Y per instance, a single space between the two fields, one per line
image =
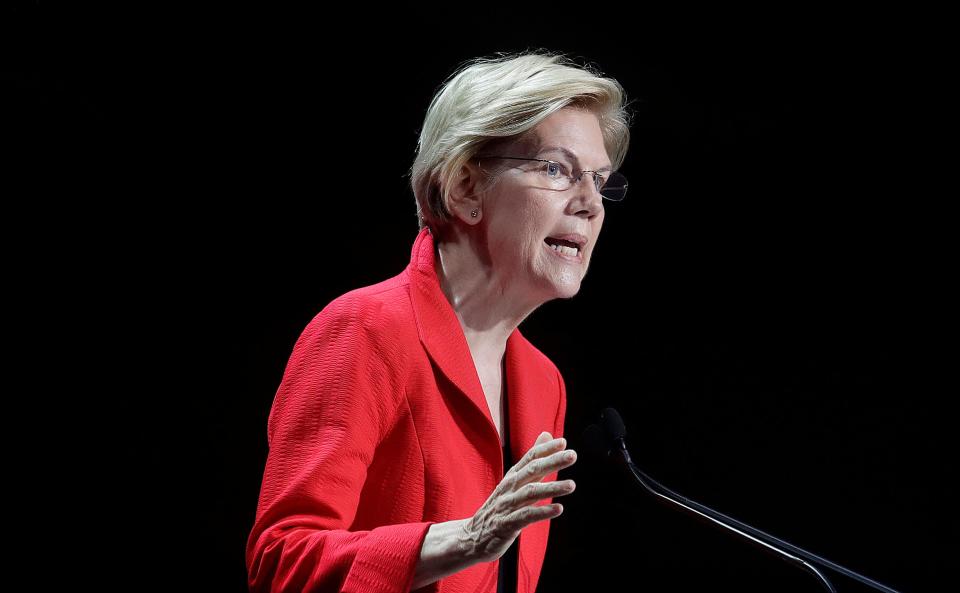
x=567 y=289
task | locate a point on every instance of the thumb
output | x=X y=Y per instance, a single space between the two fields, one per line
x=544 y=438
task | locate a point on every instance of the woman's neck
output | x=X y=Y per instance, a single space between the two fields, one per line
x=487 y=311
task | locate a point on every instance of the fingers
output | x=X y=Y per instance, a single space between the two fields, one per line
x=544 y=445
x=534 y=469
x=534 y=492
x=520 y=518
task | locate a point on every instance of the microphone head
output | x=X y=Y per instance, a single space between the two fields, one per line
x=613 y=426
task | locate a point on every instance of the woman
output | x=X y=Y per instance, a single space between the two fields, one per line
x=403 y=402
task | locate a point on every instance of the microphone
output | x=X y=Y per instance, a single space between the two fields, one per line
x=608 y=441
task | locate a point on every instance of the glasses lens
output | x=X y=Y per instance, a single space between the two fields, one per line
x=615 y=188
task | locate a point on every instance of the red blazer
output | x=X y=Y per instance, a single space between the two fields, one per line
x=380 y=428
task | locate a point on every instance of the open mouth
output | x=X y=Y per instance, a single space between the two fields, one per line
x=563 y=247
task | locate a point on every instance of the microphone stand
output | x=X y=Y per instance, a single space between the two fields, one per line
x=786 y=551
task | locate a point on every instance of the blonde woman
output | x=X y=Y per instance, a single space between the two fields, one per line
x=416 y=435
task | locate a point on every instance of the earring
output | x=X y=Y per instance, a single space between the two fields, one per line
x=475 y=212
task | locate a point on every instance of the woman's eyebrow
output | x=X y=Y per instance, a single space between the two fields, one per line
x=568 y=153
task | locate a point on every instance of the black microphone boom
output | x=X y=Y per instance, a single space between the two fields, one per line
x=611 y=438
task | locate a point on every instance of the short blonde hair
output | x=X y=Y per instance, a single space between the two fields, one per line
x=491 y=99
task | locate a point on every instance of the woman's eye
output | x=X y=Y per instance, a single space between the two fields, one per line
x=555 y=170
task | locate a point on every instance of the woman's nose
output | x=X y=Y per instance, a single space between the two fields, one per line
x=587 y=191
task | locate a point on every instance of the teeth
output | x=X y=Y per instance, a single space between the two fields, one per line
x=571 y=251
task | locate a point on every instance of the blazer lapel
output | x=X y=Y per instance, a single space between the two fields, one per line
x=439 y=328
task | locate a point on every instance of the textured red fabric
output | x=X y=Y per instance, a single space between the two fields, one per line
x=380 y=428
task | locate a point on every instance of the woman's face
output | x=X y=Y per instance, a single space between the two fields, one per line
x=519 y=215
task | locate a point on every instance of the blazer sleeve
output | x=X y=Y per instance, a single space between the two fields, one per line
x=338 y=396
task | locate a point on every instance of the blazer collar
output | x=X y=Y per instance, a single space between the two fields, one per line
x=442 y=336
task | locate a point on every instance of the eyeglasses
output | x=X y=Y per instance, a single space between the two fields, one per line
x=557 y=176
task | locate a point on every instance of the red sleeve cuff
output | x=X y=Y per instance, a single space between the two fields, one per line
x=388 y=559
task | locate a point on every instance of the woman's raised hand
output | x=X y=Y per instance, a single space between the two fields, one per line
x=512 y=505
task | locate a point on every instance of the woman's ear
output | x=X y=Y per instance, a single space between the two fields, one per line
x=464 y=201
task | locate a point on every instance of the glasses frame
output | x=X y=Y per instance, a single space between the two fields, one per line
x=573 y=179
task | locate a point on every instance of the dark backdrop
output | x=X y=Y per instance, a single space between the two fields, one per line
x=767 y=309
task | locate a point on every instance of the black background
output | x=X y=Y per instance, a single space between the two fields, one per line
x=768 y=309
